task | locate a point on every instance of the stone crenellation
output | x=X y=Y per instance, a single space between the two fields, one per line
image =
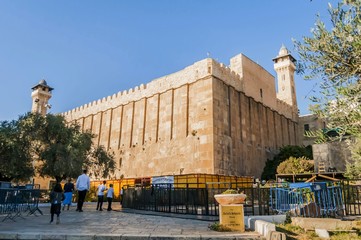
x=198 y=70
x=190 y=74
x=187 y=75
x=286 y=110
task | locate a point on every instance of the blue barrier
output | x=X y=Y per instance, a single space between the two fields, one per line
x=16 y=201
x=319 y=199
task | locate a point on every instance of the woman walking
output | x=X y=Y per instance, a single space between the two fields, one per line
x=68 y=192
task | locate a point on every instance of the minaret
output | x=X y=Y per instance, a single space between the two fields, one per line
x=284 y=65
x=41 y=94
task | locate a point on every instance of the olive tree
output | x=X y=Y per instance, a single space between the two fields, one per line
x=332 y=55
x=54 y=148
x=15 y=156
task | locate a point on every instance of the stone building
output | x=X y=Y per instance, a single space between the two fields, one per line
x=207 y=118
x=309 y=122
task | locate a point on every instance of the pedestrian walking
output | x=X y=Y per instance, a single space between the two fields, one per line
x=101 y=188
x=110 y=195
x=121 y=196
x=83 y=186
x=68 y=192
x=56 y=196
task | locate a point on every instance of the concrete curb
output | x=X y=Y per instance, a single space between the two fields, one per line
x=263 y=227
x=263 y=224
x=13 y=236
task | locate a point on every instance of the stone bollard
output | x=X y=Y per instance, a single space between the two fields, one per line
x=231 y=211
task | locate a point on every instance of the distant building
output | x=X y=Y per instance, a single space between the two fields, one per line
x=207 y=118
x=309 y=123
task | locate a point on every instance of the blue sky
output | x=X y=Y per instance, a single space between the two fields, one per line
x=87 y=50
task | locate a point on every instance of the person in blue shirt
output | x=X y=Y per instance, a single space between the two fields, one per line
x=68 y=192
x=110 y=195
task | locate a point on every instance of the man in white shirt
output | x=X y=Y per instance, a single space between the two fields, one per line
x=83 y=186
x=100 y=190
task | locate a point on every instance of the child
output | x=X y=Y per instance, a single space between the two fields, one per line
x=100 y=190
x=56 y=196
x=110 y=195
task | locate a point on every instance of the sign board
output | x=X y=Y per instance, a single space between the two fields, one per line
x=163 y=180
x=232 y=216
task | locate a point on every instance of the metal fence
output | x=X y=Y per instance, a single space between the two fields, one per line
x=318 y=199
x=339 y=199
x=199 y=201
x=352 y=196
x=14 y=202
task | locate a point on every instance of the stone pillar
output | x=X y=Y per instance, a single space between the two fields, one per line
x=232 y=216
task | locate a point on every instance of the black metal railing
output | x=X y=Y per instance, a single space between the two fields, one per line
x=198 y=201
x=201 y=201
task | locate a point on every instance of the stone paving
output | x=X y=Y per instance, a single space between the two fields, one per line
x=117 y=224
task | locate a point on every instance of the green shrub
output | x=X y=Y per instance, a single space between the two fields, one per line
x=269 y=171
x=219 y=227
x=230 y=191
x=295 y=165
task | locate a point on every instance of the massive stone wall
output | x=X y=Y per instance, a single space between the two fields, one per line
x=246 y=132
x=160 y=134
x=198 y=120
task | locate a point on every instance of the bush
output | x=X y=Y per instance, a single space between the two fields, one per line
x=296 y=165
x=230 y=191
x=286 y=152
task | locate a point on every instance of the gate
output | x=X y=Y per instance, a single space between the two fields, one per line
x=352 y=196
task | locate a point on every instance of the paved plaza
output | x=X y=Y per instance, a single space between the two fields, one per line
x=118 y=224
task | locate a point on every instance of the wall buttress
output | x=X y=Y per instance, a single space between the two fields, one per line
x=132 y=125
x=145 y=119
x=110 y=128
x=121 y=126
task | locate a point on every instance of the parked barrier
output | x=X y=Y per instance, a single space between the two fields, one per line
x=308 y=199
x=14 y=202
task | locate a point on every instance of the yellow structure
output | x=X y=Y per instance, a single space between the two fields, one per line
x=180 y=181
x=211 y=180
x=117 y=185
